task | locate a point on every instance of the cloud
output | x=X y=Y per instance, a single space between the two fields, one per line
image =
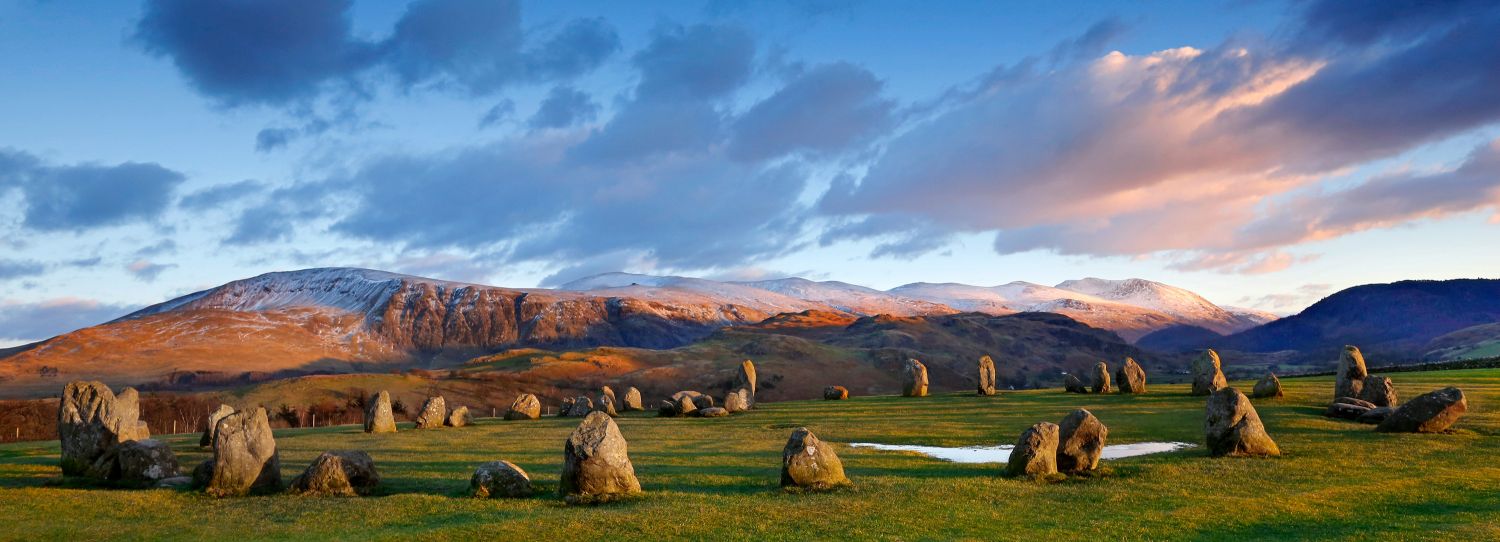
x=85 y=196
x=27 y=322
x=1091 y=43
x=145 y=270
x=501 y=112
x=291 y=52
x=256 y=52
x=563 y=107
x=217 y=196
x=283 y=212
x=13 y=269
x=1209 y=156
x=826 y=109
x=1281 y=302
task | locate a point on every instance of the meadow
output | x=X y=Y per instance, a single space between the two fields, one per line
x=717 y=479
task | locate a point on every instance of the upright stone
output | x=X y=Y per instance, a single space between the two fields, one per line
x=1130 y=377
x=1101 y=378
x=1072 y=384
x=343 y=473
x=525 y=407
x=460 y=417
x=565 y=408
x=1208 y=377
x=245 y=457
x=1430 y=412
x=1351 y=373
x=92 y=421
x=736 y=401
x=1035 y=453
x=434 y=413
x=835 y=393
x=632 y=401
x=914 y=383
x=596 y=463
x=610 y=392
x=500 y=479
x=684 y=406
x=1379 y=391
x=378 y=415
x=607 y=404
x=986 y=376
x=746 y=377
x=580 y=407
x=1232 y=427
x=1269 y=386
x=1080 y=442
x=213 y=421
x=809 y=463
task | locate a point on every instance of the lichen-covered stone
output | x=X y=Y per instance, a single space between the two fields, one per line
x=525 y=407
x=1208 y=375
x=1101 y=378
x=746 y=378
x=245 y=456
x=1130 y=377
x=712 y=412
x=144 y=462
x=580 y=406
x=1431 y=412
x=737 y=401
x=1379 y=391
x=596 y=462
x=92 y=421
x=378 y=415
x=1072 y=384
x=500 y=479
x=835 y=393
x=1035 y=453
x=459 y=417
x=1268 y=386
x=213 y=421
x=1351 y=373
x=434 y=413
x=1233 y=428
x=342 y=473
x=607 y=405
x=1080 y=442
x=914 y=379
x=807 y=462
x=632 y=401
x=986 y=376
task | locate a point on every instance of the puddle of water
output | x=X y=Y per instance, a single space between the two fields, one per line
x=1001 y=454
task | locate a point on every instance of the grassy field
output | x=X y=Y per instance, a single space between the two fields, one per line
x=716 y=479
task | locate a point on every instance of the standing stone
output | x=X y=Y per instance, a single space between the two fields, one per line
x=1072 y=384
x=684 y=406
x=580 y=407
x=1430 y=412
x=525 y=407
x=986 y=376
x=835 y=393
x=632 y=400
x=1352 y=373
x=567 y=406
x=1080 y=442
x=607 y=404
x=1232 y=428
x=434 y=413
x=809 y=463
x=1101 y=378
x=736 y=401
x=1269 y=386
x=213 y=420
x=92 y=421
x=703 y=401
x=500 y=479
x=378 y=415
x=1379 y=391
x=1130 y=377
x=667 y=408
x=606 y=390
x=343 y=473
x=144 y=462
x=915 y=379
x=459 y=417
x=1035 y=453
x=245 y=457
x=1207 y=375
x=596 y=464
x=746 y=377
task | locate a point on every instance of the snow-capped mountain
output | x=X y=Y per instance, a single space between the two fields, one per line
x=1178 y=303
x=851 y=298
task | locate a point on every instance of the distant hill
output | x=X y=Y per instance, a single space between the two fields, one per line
x=1179 y=339
x=1395 y=321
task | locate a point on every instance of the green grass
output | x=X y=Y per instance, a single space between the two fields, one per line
x=716 y=479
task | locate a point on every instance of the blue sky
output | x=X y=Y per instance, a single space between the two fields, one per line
x=1263 y=154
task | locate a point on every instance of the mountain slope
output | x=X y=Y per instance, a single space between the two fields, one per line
x=851 y=298
x=1393 y=320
